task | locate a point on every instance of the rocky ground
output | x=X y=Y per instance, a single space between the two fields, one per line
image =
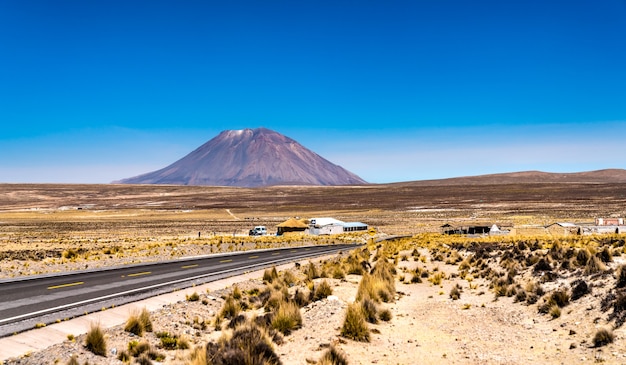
x=427 y=325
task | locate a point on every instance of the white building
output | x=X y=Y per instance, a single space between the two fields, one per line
x=319 y=226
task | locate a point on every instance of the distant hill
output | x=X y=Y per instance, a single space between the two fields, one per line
x=606 y=176
x=250 y=158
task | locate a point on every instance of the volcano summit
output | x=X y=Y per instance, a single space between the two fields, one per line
x=250 y=158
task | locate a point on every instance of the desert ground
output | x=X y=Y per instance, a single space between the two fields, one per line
x=458 y=300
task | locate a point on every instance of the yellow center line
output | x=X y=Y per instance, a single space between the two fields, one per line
x=276 y=254
x=226 y=260
x=65 y=285
x=253 y=257
x=141 y=273
x=307 y=249
x=189 y=266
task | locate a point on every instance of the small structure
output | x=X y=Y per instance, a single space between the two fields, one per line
x=496 y=231
x=320 y=226
x=292 y=225
x=609 y=221
x=563 y=229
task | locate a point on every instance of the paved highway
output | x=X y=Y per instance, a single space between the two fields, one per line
x=28 y=298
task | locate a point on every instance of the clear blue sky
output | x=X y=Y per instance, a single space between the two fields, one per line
x=95 y=91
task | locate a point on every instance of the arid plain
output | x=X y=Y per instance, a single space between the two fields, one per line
x=494 y=300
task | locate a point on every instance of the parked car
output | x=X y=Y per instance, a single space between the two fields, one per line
x=258 y=231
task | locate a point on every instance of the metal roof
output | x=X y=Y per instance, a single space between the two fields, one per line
x=354 y=224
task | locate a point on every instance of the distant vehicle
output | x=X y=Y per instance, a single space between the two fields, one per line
x=258 y=231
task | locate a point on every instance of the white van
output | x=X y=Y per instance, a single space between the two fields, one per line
x=258 y=231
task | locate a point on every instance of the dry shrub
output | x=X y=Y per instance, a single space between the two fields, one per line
x=270 y=275
x=605 y=255
x=275 y=298
x=249 y=345
x=354 y=325
x=144 y=359
x=193 y=297
x=621 y=276
x=560 y=297
x=230 y=309
x=542 y=265
x=582 y=256
x=289 y=278
x=594 y=266
x=385 y=315
x=436 y=279
x=372 y=286
x=555 y=311
x=198 y=356
x=603 y=337
x=322 y=291
x=455 y=292
x=370 y=310
x=95 y=341
x=236 y=293
x=237 y=321
x=579 y=289
x=333 y=356
x=144 y=319
x=172 y=342
x=354 y=263
x=134 y=325
x=301 y=298
x=287 y=318
x=136 y=348
x=311 y=271
x=338 y=273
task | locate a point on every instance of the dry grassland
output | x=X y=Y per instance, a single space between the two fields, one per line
x=433 y=299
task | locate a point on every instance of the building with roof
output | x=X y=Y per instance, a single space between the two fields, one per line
x=562 y=229
x=325 y=225
x=474 y=230
x=609 y=221
x=292 y=225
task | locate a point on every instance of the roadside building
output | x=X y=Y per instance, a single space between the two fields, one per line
x=292 y=225
x=474 y=230
x=319 y=226
x=609 y=221
x=326 y=225
x=562 y=229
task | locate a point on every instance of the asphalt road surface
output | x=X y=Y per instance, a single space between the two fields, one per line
x=41 y=296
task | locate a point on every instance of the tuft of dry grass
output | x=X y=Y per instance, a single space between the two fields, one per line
x=354 y=325
x=249 y=344
x=287 y=318
x=95 y=341
x=333 y=356
x=134 y=325
x=144 y=319
x=322 y=291
x=230 y=309
x=455 y=292
x=603 y=337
